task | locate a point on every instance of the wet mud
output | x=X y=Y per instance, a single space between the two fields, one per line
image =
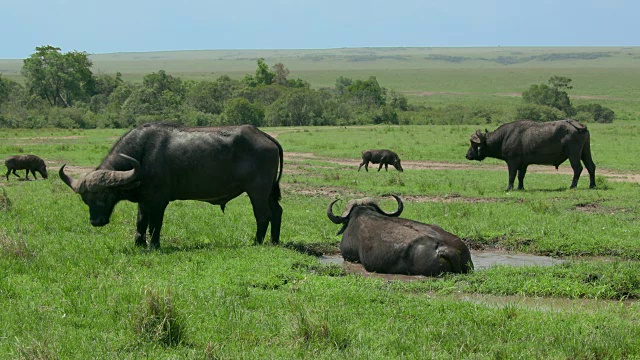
x=482 y=259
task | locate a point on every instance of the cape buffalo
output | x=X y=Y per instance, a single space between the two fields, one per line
x=156 y=163
x=382 y=157
x=384 y=243
x=522 y=143
x=26 y=162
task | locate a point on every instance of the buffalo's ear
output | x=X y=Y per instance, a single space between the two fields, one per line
x=476 y=139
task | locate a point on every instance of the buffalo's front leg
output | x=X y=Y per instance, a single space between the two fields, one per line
x=365 y=163
x=380 y=167
x=513 y=170
x=141 y=226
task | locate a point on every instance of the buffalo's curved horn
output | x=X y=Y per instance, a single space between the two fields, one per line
x=395 y=213
x=102 y=179
x=72 y=183
x=334 y=219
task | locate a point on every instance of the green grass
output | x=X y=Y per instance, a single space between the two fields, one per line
x=69 y=290
x=477 y=80
x=614 y=147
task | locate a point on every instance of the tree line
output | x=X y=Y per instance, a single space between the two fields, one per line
x=60 y=90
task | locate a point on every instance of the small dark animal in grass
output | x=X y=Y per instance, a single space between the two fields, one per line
x=522 y=143
x=157 y=163
x=384 y=243
x=26 y=162
x=382 y=157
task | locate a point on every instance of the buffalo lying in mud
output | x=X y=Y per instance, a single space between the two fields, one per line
x=26 y=162
x=382 y=157
x=522 y=143
x=154 y=164
x=384 y=243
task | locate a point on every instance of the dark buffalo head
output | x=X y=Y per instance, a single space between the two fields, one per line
x=352 y=205
x=396 y=164
x=478 y=144
x=42 y=169
x=102 y=189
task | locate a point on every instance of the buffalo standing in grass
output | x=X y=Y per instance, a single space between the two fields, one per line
x=522 y=143
x=382 y=157
x=384 y=243
x=155 y=164
x=26 y=162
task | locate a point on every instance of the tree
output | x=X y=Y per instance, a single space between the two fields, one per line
x=367 y=92
x=61 y=79
x=537 y=112
x=560 y=83
x=263 y=75
x=598 y=112
x=553 y=96
x=160 y=94
x=342 y=83
x=209 y=97
x=398 y=101
x=8 y=89
x=281 y=74
x=297 y=107
x=240 y=111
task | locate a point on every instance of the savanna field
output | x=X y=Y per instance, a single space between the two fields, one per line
x=69 y=290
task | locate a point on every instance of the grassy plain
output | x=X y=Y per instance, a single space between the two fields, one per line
x=480 y=77
x=68 y=290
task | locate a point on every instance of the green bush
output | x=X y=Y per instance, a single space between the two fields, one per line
x=538 y=113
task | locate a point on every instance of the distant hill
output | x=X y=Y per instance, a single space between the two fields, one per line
x=303 y=60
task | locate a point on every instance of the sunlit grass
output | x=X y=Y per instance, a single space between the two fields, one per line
x=69 y=290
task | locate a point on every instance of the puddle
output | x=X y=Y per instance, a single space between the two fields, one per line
x=481 y=260
x=487 y=258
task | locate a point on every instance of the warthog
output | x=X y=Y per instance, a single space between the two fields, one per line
x=26 y=162
x=522 y=143
x=382 y=157
x=157 y=163
x=384 y=243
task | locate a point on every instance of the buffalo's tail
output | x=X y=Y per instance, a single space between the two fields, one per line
x=275 y=190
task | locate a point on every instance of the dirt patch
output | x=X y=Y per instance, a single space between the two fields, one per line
x=76 y=170
x=436 y=165
x=595 y=208
x=323 y=191
x=449 y=199
x=588 y=208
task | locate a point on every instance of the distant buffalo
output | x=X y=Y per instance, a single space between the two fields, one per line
x=382 y=157
x=157 y=163
x=384 y=243
x=26 y=162
x=522 y=143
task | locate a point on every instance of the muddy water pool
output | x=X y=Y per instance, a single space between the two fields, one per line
x=482 y=259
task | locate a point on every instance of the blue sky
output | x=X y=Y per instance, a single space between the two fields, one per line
x=144 y=25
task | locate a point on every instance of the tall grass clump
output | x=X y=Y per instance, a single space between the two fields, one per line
x=156 y=319
x=5 y=202
x=313 y=330
x=13 y=247
x=36 y=350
